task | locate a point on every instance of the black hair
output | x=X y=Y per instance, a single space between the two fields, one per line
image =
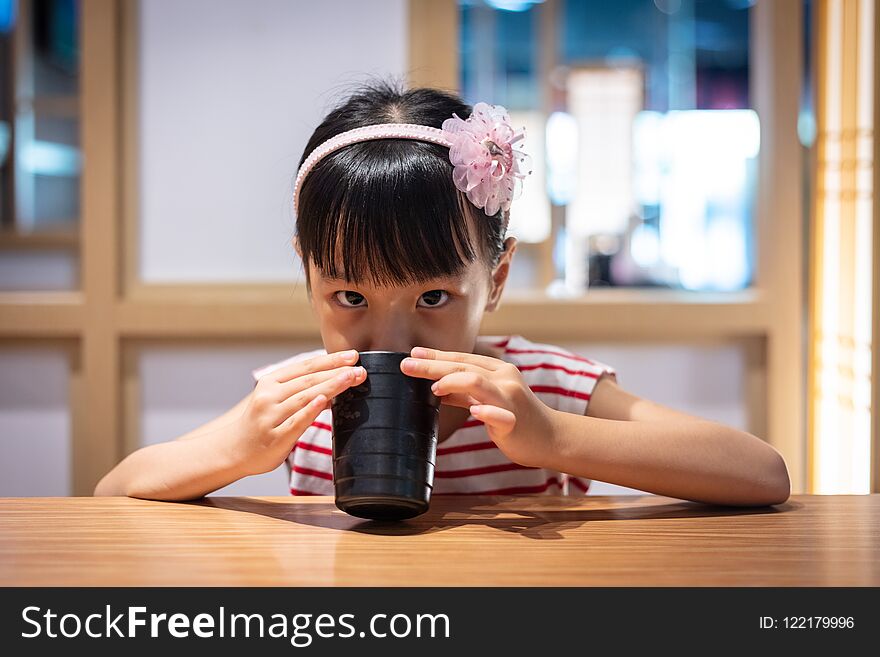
x=387 y=210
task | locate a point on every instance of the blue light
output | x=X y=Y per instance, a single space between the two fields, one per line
x=50 y=159
x=806 y=128
x=7 y=15
x=513 y=5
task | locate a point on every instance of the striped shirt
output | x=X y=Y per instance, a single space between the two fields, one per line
x=468 y=462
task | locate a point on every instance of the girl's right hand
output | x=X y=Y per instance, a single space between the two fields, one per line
x=283 y=405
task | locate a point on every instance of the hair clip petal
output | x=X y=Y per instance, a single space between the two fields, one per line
x=486 y=166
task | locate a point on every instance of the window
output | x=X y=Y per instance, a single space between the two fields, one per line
x=40 y=158
x=639 y=113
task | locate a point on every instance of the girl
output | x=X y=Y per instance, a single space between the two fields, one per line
x=402 y=202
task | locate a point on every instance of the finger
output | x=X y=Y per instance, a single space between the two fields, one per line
x=289 y=388
x=314 y=364
x=469 y=383
x=329 y=389
x=486 y=362
x=297 y=423
x=423 y=368
x=459 y=400
x=498 y=418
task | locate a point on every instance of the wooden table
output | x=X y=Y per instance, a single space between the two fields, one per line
x=470 y=541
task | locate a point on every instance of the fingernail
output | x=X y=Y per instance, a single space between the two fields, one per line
x=419 y=352
x=434 y=387
x=407 y=363
x=359 y=370
x=349 y=353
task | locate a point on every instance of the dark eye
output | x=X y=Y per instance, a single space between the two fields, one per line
x=434 y=298
x=349 y=298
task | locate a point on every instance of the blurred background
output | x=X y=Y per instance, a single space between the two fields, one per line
x=702 y=216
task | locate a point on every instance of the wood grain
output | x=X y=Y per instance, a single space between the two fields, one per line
x=467 y=541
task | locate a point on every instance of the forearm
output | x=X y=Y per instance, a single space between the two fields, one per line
x=178 y=469
x=698 y=460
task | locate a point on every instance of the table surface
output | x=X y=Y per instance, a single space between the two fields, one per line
x=462 y=540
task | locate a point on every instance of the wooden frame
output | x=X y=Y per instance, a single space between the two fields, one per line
x=875 y=338
x=114 y=310
x=777 y=41
x=838 y=149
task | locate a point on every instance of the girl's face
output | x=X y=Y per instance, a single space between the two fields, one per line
x=443 y=313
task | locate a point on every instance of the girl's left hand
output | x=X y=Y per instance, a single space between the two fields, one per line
x=495 y=393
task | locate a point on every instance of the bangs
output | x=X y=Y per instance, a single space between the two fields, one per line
x=386 y=212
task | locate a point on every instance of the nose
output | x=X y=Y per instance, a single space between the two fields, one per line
x=392 y=333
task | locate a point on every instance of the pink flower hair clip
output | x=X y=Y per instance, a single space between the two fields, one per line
x=487 y=167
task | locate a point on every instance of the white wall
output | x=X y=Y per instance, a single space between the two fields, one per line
x=703 y=380
x=229 y=93
x=34 y=422
x=39 y=270
x=182 y=387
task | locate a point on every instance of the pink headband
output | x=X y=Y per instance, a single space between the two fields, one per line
x=486 y=166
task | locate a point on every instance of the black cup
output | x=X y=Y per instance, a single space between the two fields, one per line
x=385 y=441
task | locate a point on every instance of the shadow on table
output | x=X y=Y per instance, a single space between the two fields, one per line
x=538 y=518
